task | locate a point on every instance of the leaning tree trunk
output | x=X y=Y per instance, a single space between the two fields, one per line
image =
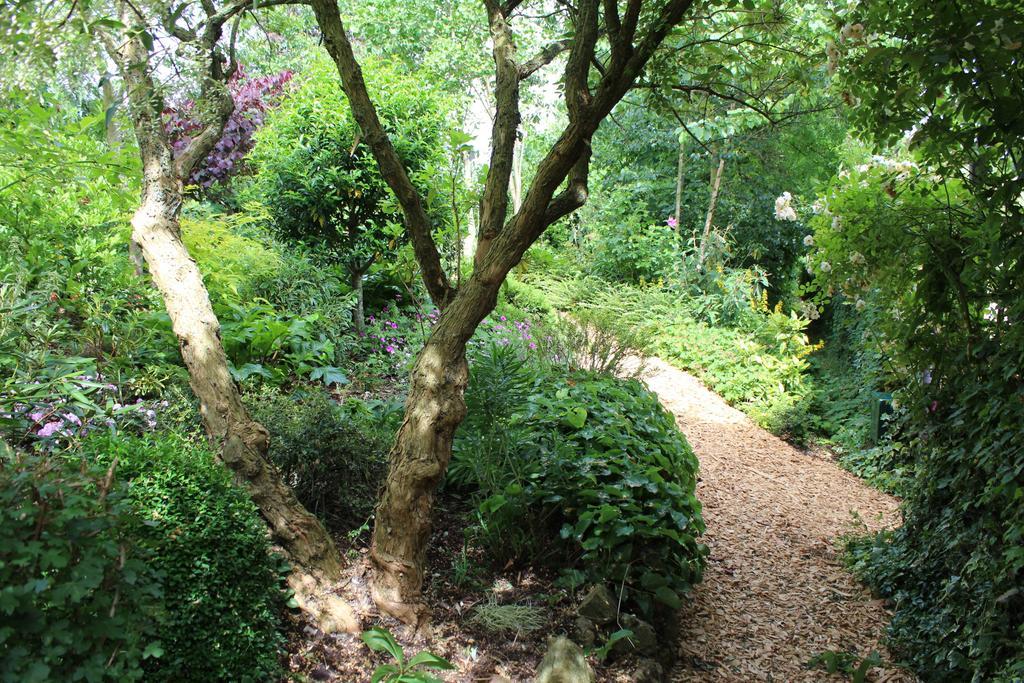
x=243 y=443
x=716 y=184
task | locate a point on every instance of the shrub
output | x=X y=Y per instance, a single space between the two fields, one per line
x=334 y=458
x=222 y=589
x=77 y=595
x=230 y=261
x=584 y=471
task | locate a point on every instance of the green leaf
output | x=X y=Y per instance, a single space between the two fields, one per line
x=154 y=650
x=381 y=640
x=667 y=596
x=575 y=417
x=329 y=375
x=431 y=661
x=384 y=671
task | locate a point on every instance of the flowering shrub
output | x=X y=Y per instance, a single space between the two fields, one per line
x=67 y=402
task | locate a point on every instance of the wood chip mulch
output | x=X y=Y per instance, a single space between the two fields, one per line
x=775 y=593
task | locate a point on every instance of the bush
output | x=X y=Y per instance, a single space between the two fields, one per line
x=583 y=471
x=222 y=589
x=77 y=595
x=334 y=458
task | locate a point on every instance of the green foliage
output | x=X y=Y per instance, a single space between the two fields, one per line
x=759 y=366
x=583 y=470
x=322 y=449
x=412 y=670
x=848 y=663
x=321 y=183
x=635 y=251
x=77 y=595
x=230 y=262
x=220 y=610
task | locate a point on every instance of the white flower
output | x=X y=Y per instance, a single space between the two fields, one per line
x=784 y=211
x=826 y=267
x=856 y=258
x=837 y=224
x=809 y=241
x=860 y=305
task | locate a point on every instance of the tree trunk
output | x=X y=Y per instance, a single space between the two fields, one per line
x=433 y=411
x=358 y=311
x=679 y=190
x=716 y=183
x=241 y=443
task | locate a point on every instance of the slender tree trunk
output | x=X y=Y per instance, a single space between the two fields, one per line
x=716 y=183
x=679 y=189
x=516 y=179
x=358 y=311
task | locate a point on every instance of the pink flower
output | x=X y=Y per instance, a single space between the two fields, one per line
x=533 y=346
x=389 y=348
x=672 y=222
x=50 y=428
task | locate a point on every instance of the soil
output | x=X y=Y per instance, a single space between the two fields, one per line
x=774 y=595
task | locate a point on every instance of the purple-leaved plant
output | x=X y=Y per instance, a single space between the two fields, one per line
x=253 y=97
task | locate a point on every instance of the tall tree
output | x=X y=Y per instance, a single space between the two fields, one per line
x=595 y=79
x=241 y=441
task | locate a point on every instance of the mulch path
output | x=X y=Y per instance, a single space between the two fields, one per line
x=775 y=592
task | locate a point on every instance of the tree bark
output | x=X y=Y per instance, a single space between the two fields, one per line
x=679 y=189
x=358 y=311
x=241 y=442
x=716 y=183
x=435 y=405
x=433 y=411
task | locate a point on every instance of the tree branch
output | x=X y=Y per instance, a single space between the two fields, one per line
x=543 y=58
x=416 y=220
x=494 y=204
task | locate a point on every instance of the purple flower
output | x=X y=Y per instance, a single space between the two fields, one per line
x=50 y=428
x=37 y=417
x=389 y=348
x=672 y=222
x=533 y=346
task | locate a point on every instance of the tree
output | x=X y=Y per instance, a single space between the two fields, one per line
x=435 y=406
x=320 y=180
x=242 y=443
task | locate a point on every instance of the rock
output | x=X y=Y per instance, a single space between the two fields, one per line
x=585 y=632
x=644 y=639
x=498 y=678
x=648 y=671
x=564 y=663
x=598 y=605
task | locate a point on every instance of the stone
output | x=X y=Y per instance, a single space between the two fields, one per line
x=599 y=605
x=585 y=632
x=648 y=671
x=564 y=662
x=644 y=639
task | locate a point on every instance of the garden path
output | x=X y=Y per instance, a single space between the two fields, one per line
x=775 y=592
